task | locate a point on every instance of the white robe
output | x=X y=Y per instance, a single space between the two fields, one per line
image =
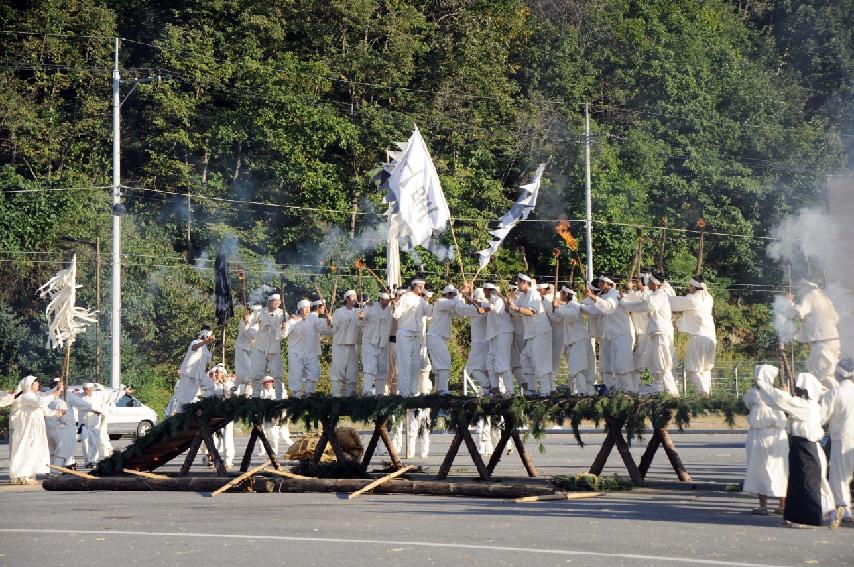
x=62 y=431
x=767 y=448
x=837 y=407
x=29 y=451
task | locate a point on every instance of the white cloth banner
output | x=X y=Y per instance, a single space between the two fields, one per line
x=519 y=211
x=415 y=193
x=64 y=319
x=392 y=273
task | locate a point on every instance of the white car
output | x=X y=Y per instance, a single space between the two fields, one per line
x=128 y=416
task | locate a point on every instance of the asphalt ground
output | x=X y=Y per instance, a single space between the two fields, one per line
x=667 y=522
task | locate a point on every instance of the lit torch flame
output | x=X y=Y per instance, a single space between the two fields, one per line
x=562 y=230
x=701 y=224
x=555 y=252
x=241 y=275
x=360 y=264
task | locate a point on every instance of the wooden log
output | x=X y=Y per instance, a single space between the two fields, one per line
x=144 y=474
x=239 y=479
x=79 y=474
x=498 y=451
x=628 y=460
x=207 y=484
x=191 y=455
x=274 y=460
x=675 y=461
x=558 y=496
x=472 y=449
x=523 y=454
x=286 y=474
x=320 y=448
x=602 y=455
x=219 y=465
x=329 y=425
x=250 y=447
x=380 y=481
x=651 y=448
x=372 y=446
x=392 y=452
x=445 y=468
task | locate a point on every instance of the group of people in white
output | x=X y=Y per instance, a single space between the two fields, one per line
x=785 y=454
x=45 y=423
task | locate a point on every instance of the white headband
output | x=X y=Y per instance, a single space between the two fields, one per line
x=524 y=278
x=606 y=279
x=205 y=334
x=698 y=285
x=652 y=279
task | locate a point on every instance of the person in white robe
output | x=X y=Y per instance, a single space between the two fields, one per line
x=439 y=333
x=243 y=350
x=224 y=387
x=194 y=371
x=808 y=496
x=276 y=430
x=597 y=342
x=477 y=360
x=576 y=342
x=344 y=370
x=818 y=328
x=266 y=358
x=62 y=429
x=698 y=323
x=639 y=292
x=660 y=331
x=409 y=312
x=500 y=334
x=29 y=454
x=518 y=321
x=418 y=423
x=537 y=354
x=303 y=331
x=376 y=330
x=837 y=409
x=767 y=446
x=617 y=343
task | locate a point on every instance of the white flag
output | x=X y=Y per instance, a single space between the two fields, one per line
x=519 y=211
x=65 y=320
x=415 y=193
x=392 y=272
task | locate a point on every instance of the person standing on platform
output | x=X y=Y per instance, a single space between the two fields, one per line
x=410 y=311
x=438 y=335
x=576 y=338
x=243 y=350
x=698 y=323
x=303 y=331
x=499 y=333
x=193 y=375
x=344 y=370
x=818 y=328
x=267 y=351
x=537 y=354
x=617 y=344
x=376 y=330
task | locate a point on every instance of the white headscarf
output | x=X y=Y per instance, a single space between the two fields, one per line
x=810 y=383
x=25 y=383
x=765 y=374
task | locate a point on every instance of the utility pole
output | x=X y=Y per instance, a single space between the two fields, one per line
x=588 y=203
x=98 y=309
x=116 y=299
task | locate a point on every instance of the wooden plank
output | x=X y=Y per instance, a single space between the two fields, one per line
x=239 y=479
x=285 y=474
x=558 y=496
x=145 y=474
x=380 y=481
x=78 y=474
x=250 y=448
x=449 y=456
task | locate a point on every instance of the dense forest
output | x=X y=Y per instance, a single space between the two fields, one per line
x=257 y=128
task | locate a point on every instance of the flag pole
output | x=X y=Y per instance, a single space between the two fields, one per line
x=459 y=258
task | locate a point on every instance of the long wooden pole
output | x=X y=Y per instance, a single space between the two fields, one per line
x=380 y=481
x=459 y=255
x=239 y=479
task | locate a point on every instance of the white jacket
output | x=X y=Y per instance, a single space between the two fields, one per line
x=818 y=318
x=410 y=312
x=376 y=326
x=268 y=330
x=837 y=410
x=345 y=326
x=478 y=321
x=304 y=334
x=574 y=327
x=539 y=323
x=696 y=309
x=440 y=321
x=615 y=319
x=498 y=319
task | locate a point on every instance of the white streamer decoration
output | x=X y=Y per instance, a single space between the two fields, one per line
x=64 y=318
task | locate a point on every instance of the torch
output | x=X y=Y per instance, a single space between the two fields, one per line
x=701 y=224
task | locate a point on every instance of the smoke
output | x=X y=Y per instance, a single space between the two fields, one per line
x=258 y=296
x=814 y=245
x=228 y=248
x=442 y=252
x=337 y=246
x=203 y=260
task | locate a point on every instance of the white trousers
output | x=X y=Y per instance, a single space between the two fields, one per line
x=537 y=360
x=344 y=371
x=375 y=363
x=303 y=373
x=661 y=364
x=557 y=349
x=498 y=362
x=224 y=442
x=408 y=348
x=437 y=349
x=841 y=470
x=90 y=437
x=699 y=361
x=275 y=432
x=243 y=365
x=822 y=360
x=579 y=355
x=261 y=363
x=416 y=423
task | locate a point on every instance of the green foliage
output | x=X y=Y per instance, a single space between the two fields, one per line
x=590 y=482
x=698 y=109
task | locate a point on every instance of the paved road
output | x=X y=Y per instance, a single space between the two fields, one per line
x=669 y=523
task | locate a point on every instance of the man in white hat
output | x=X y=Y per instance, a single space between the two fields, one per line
x=499 y=334
x=376 y=330
x=267 y=352
x=518 y=338
x=62 y=428
x=659 y=328
x=697 y=321
x=303 y=331
x=410 y=311
x=639 y=292
x=438 y=335
x=243 y=350
x=617 y=342
x=594 y=326
x=224 y=438
x=576 y=340
x=818 y=328
x=344 y=370
x=95 y=447
x=537 y=355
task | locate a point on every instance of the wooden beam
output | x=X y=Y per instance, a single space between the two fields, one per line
x=191 y=455
x=380 y=481
x=649 y=454
x=558 y=496
x=285 y=474
x=239 y=479
x=449 y=456
x=274 y=459
x=145 y=474
x=675 y=461
x=250 y=447
x=78 y=474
